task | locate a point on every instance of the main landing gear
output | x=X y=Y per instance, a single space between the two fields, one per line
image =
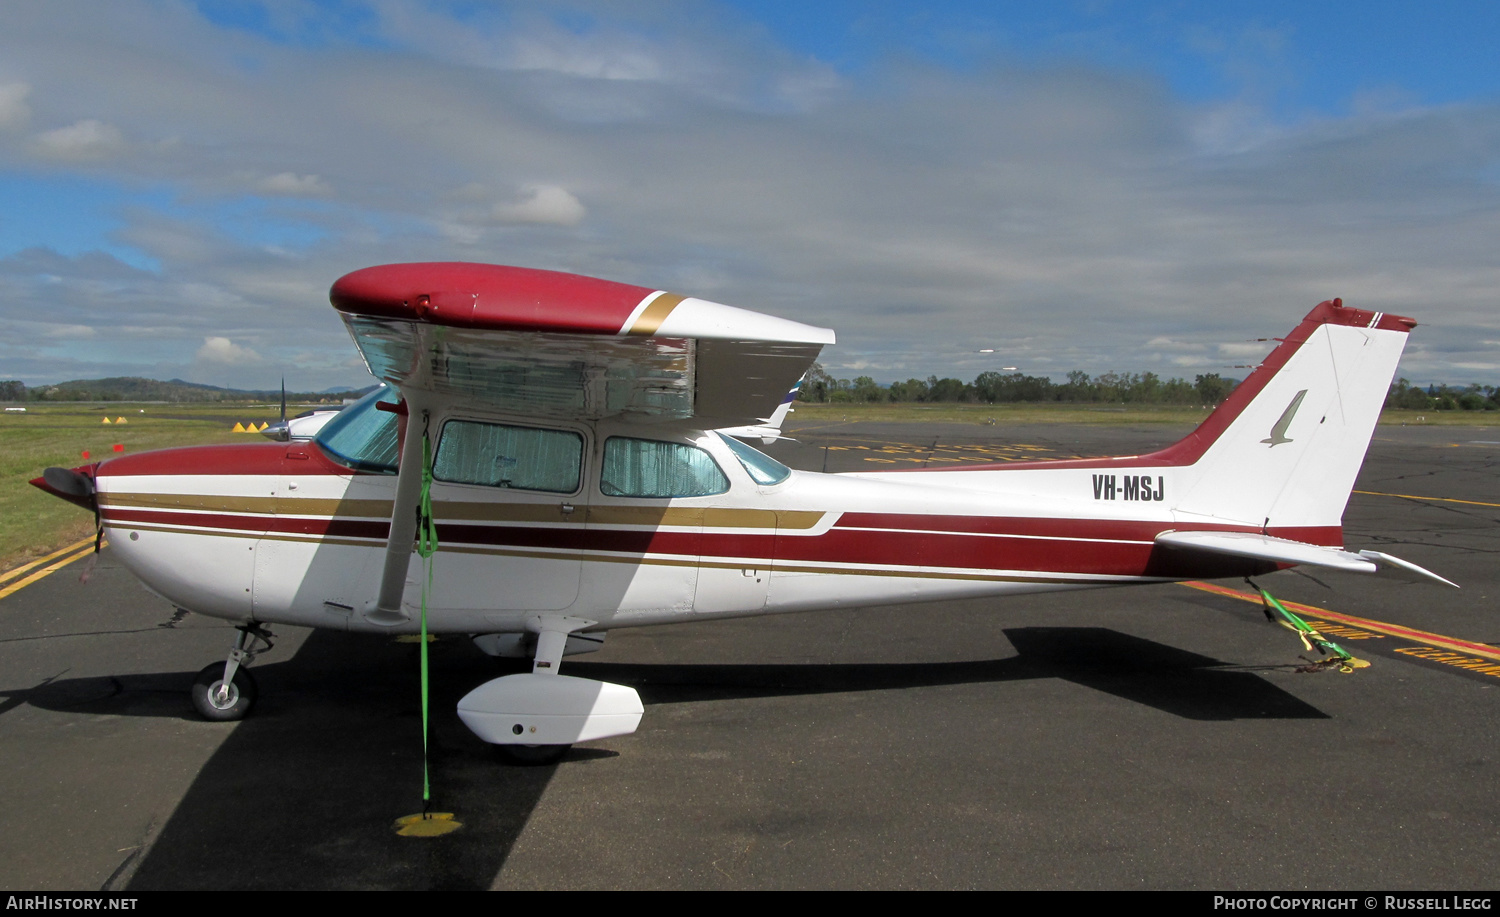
x=223 y=693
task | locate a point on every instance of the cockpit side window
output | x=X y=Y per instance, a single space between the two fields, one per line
x=497 y=455
x=649 y=468
x=761 y=467
x=363 y=437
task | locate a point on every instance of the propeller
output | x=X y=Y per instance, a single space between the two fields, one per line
x=78 y=488
x=69 y=483
x=279 y=430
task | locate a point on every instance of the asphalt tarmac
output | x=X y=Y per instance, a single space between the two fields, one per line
x=1153 y=738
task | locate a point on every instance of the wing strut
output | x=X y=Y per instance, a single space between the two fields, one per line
x=403 y=533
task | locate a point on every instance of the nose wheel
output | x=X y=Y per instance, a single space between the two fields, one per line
x=219 y=701
x=223 y=693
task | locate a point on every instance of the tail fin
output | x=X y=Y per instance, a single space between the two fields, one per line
x=769 y=429
x=1284 y=449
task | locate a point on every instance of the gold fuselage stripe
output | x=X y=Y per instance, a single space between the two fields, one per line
x=550 y=512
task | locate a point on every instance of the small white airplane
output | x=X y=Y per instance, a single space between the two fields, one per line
x=561 y=433
x=300 y=426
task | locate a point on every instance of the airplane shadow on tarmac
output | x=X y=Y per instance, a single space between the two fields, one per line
x=303 y=793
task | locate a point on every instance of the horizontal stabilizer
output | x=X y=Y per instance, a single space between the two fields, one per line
x=1264 y=547
x=1285 y=551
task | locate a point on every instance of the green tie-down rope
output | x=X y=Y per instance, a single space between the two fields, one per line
x=428 y=823
x=1311 y=639
x=427 y=545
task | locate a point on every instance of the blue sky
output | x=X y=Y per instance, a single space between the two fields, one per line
x=1312 y=57
x=1097 y=186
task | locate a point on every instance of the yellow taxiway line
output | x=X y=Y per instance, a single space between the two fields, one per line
x=1391 y=630
x=74 y=552
x=1376 y=493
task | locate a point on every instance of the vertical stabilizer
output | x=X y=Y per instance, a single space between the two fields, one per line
x=1283 y=451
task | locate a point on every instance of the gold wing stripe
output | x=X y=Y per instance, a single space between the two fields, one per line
x=653 y=315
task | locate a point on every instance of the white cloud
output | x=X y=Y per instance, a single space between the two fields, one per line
x=293 y=185
x=83 y=141
x=225 y=351
x=71 y=332
x=1166 y=343
x=596 y=57
x=1245 y=350
x=545 y=204
x=14 y=112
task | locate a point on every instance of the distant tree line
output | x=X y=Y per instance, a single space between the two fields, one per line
x=995 y=388
x=136 y=389
x=1443 y=397
x=1208 y=389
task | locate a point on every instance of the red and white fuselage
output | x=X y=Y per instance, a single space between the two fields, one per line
x=286 y=533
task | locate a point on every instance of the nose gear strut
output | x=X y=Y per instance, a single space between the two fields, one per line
x=227 y=693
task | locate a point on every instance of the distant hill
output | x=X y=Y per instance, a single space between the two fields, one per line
x=134 y=388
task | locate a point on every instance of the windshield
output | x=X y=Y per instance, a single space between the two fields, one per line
x=362 y=436
x=762 y=468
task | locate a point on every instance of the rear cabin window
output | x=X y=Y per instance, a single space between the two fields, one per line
x=497 y=455
x=648 y=468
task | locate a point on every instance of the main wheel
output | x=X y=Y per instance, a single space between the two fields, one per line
x=532 y=755
x=220 y=706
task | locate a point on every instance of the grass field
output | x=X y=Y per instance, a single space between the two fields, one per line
x=33 y=523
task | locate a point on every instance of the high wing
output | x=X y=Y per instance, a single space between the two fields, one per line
x=551 y=344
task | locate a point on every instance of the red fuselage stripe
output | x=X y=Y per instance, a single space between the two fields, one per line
x=1075 y=549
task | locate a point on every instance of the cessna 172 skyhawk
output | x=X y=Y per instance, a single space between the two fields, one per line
x=567 y=428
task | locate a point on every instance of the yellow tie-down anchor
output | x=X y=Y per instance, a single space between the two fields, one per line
x=1338 y=657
